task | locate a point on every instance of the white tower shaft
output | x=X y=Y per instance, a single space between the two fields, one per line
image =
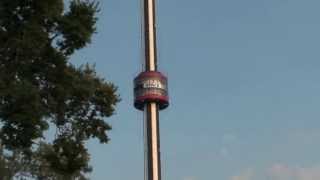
x=151 y=109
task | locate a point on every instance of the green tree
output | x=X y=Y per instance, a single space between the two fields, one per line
x=40 y=89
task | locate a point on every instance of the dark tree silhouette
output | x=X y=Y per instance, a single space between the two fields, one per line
x=40 y=89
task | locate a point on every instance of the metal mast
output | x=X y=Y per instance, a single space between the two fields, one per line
x=152 y=139
x=150 y=35
x=151 y=93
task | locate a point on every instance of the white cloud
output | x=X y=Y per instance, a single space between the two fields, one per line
x=224 y=152
x=229 y=142
x=281 y=172
x=246 y=175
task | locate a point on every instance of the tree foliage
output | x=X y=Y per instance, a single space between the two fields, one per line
x=40 y=89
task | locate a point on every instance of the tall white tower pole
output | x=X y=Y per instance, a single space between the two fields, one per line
x=152 y=139
x=151 y=93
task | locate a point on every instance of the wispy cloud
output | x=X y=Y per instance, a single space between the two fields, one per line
x=228 y=143
x=246 y=175
x=284 y=172
x=280 y=172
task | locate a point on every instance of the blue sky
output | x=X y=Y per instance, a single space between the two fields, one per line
x=244 y=87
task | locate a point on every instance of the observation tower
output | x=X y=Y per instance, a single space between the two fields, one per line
x=151 y=93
